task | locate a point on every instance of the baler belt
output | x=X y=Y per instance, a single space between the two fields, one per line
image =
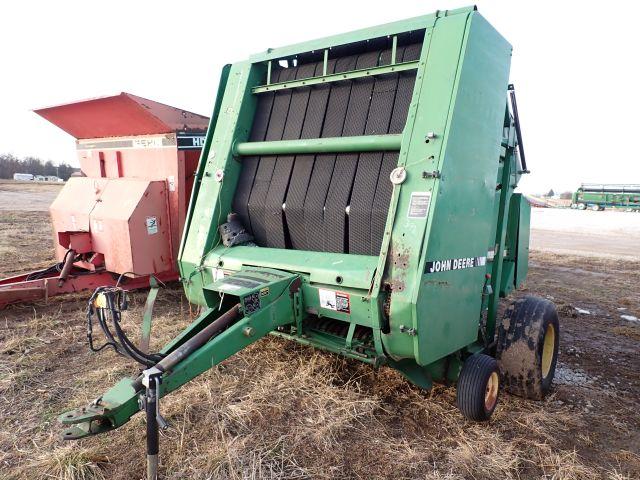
x=300 y=201
x=384 y=188
x=250 y=164
x=299 y=116
x=334 y=223
x=303 y=164
x=368 y=170
x=264 y=172
x=323 y=166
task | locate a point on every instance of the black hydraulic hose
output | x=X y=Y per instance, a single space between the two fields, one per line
x=195 y=342
x=99 y=314
x=122 y=345
x=105 y=328
x=131 y=350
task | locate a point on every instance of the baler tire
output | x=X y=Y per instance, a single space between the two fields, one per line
x=478 y=387
x=527 y=347
x=582 y=206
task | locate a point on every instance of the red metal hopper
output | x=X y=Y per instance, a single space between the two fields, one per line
x=125 y=214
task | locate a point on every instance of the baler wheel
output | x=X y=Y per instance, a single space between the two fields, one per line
x=478 y=387
x=527 y=349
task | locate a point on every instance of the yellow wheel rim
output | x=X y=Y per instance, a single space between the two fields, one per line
x=491 y=392
x=548 y=349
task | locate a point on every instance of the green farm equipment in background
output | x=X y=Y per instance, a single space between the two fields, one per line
x=356 y=193
x=600 y=196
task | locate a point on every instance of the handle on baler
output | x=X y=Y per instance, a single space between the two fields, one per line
x=516 y=119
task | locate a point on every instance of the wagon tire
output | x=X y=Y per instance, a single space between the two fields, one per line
x=478 y=387
x=527 y=347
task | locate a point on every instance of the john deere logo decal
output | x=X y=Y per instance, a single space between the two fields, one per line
x=455 y=264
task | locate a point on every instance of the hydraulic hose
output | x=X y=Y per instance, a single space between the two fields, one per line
x=115 y=302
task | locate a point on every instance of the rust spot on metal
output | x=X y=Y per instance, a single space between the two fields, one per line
x=399 y=263
x=295 y=286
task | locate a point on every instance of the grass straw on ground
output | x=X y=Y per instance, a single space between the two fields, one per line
x=281 y=410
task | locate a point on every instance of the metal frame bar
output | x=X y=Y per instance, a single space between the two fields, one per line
x=388 y=29
x=336 y=77
x=363 y=143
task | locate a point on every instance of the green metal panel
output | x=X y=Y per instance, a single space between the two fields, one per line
x=355 y=271
x=516 y=260
x=337 y=77
x=232 y=125
x=524 y=230
x=204 y=155
x=463 y=104
x=378 y=31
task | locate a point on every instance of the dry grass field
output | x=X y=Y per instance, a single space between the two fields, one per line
x=280 y=410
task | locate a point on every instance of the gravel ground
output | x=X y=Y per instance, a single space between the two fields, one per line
x=611 y=234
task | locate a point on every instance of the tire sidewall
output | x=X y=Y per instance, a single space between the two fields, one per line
x=520 y=346
x=550 y=317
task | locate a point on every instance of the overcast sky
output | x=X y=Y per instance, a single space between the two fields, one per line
x=575 y=67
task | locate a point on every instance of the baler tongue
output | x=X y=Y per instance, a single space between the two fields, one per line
x=260 y=300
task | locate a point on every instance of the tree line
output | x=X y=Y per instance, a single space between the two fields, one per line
x=10 y=164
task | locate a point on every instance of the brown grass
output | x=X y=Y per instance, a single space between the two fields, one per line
x=276 y=410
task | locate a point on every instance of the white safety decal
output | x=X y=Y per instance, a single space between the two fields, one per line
x=332 y=300
x=419 y=204
x=152 y=225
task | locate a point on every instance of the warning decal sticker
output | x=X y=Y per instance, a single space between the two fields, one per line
x=332 y=300
x=419 y=204
x=152 y=225
x=251 y=303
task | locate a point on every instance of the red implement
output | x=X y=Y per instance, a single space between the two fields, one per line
x=125 y=213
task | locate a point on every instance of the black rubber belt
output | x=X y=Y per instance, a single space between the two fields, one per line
x=384 y=188
x=299 y=115
x=250 y=164
x=334 y=223
x=275 y=131
x=324 y=163
x=304 y=164
x=317 y=189
x=368 y=171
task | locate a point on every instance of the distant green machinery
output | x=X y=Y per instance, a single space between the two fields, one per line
x=356 y=193
x=600 y=196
